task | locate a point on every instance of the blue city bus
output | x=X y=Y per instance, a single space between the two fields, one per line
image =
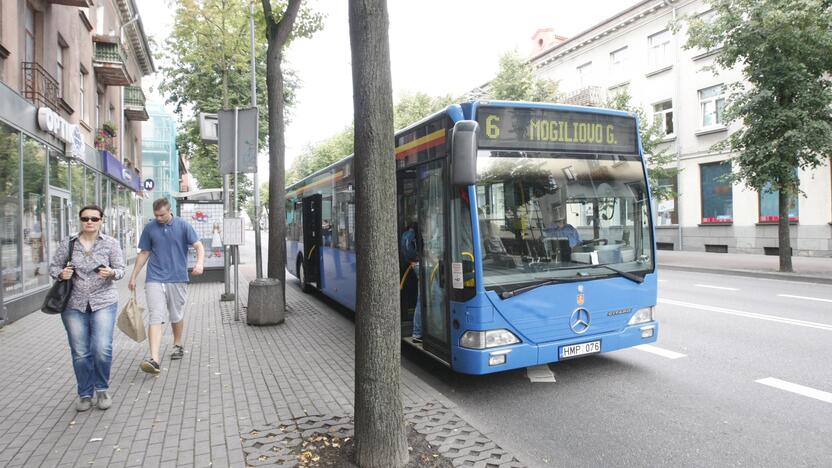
x=546 y=253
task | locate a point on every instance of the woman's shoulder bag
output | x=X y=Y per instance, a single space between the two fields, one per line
x=58 y=295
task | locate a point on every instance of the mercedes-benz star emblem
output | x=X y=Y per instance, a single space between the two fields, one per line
x=580 y=320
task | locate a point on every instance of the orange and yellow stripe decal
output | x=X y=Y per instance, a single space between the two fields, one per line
x=332 y=178
x=428 y=141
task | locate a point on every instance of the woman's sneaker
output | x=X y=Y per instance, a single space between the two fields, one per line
x=150 y=366
x=103 y=400
x=83 y=404
x=178 y=352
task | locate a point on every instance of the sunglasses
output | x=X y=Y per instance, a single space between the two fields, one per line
x=94 y=219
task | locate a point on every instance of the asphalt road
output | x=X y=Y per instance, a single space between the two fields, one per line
x=720 y=392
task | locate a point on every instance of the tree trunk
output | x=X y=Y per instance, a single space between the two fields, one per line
x=277 y=170
x=783 y=234
x=379 y=418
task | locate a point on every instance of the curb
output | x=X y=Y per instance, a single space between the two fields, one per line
x=751 y=274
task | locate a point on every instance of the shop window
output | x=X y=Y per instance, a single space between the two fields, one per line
x=666 y=209
x=770 y=206
x=10 y=245
x=91 y=188
x=712 y=106
x=717 y=193
x=58 y=171
x=76 y=190
x=663 y=115
x=35 y=255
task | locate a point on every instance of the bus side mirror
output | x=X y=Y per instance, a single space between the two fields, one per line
x=464 y=152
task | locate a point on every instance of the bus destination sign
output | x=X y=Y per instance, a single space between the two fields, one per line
x=555 y=130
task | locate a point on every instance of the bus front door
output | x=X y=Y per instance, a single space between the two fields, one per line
x=312 y=239
x=433 y=300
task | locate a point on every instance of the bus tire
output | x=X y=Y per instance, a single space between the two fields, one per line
x=304 y=286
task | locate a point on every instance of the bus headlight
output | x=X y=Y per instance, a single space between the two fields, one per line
x=487 y=339
x=641 y=316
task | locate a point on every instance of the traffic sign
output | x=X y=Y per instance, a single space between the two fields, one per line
x=149 y=184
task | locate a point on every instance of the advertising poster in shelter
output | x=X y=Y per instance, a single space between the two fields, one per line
x=206 y=218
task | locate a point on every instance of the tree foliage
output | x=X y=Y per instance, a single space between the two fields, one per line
x=413 y=107
x=516 y=81
x=783 y=49
x=661 y=164
x=206 y=67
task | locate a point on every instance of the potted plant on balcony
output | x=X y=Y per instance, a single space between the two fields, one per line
x=109 y=128
x=104 y=141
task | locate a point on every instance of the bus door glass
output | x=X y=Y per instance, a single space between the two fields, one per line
x=312 y=238
x=432 y=201
x=407 y=230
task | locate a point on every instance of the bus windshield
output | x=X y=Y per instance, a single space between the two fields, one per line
x=547 y=217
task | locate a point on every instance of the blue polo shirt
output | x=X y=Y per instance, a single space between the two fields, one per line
x=168 y=246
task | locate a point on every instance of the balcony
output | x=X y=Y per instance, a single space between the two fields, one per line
x=40 y=87
x=593 y=96
x=77 y=3
x=134 y=107
x=110 y=62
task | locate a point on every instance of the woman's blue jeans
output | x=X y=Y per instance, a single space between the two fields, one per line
x=90 y=337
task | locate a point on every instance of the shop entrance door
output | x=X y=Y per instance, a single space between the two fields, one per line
x=60 y=218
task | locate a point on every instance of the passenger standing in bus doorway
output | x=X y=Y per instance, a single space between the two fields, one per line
x=409 y=268
x=430 y=264
x=165 y=243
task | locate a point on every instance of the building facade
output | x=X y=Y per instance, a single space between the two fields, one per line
x=637 y=51
x=71 y=107
x=160 y=158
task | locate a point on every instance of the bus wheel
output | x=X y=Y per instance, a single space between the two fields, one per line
x=306 y=287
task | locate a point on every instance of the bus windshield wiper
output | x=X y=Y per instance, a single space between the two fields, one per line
x=514 y=292
x=626 y=274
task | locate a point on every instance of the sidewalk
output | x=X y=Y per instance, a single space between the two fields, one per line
x=807 y=269
x=242 y=396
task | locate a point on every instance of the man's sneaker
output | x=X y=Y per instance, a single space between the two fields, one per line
x=178 y=352
x=416 y=339
x=83 y=404
x=103 y=400
x=150 y=366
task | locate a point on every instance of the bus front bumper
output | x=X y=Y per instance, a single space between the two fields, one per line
x=487 y=361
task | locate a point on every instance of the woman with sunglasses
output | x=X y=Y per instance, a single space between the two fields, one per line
x=89 y=318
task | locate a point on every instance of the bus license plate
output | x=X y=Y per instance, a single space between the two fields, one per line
x=580 y=349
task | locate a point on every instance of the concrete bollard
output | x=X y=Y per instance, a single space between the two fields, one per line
x=263 y=295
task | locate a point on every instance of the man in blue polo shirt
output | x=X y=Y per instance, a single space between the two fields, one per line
x=165 y=243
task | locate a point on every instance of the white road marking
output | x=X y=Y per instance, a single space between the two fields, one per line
x=806 y=297
x=540 y=374
x=716 y=287
x=740 y=313
x=795 y=388
x=660 y=351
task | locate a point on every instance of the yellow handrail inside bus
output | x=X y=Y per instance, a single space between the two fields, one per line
x=404 y=276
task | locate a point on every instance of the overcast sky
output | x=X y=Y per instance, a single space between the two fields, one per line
x=437 y=47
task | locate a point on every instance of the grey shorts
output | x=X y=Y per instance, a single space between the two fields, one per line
x=166 y=302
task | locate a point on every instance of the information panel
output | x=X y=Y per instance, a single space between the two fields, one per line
x=555 y=130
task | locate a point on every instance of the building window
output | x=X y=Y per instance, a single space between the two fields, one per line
x=666 y=213
x=717 y=193
x=770 y=206
x=659 y=53
x=29 y=31
x=618 y=65
x=82 y=94
x=583 y=74
x=663 y=116
x=59 y=72
x=712 y=106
